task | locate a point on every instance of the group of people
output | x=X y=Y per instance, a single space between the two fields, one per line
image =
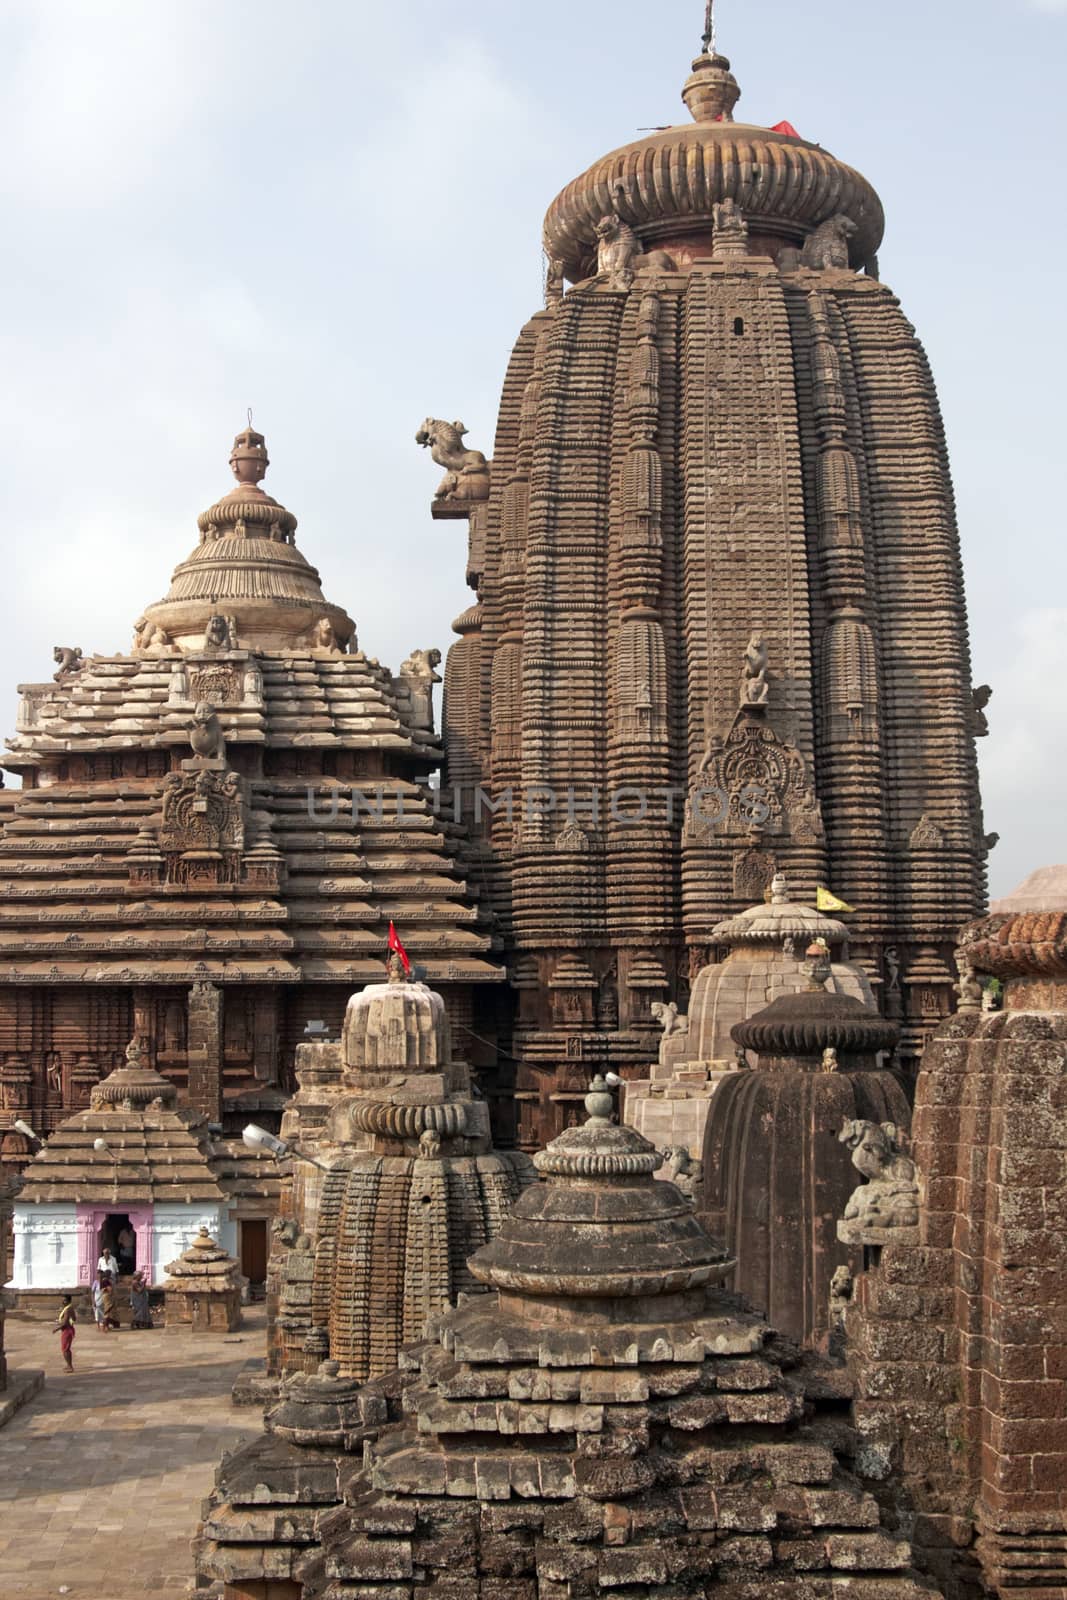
x=107 y=1271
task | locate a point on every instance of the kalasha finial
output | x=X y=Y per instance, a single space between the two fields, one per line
x=818 y=953
x=600 y=1102
x=248 y=458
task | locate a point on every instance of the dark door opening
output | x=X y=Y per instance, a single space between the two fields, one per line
x=253 y=1249
x=117 y=1236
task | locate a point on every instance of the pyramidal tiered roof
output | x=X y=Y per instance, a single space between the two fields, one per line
x=102 y=852
x=604 y=1419
x=132 y=1147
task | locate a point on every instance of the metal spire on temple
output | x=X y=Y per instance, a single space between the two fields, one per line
x=708 y=41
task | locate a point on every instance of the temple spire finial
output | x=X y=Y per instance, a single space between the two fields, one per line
x=708 y=41
x=248 y=458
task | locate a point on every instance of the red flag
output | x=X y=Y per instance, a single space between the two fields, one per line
x=394 y=944
x=786 y=128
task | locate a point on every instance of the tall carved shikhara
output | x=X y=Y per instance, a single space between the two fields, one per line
x=722 y=437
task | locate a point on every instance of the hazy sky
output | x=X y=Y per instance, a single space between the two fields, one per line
x=330 y=211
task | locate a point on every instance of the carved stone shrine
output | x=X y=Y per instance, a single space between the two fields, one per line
x=213 y=833
x=605 y=1419
x=720 y=626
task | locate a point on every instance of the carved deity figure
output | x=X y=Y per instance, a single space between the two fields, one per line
x=755 y=689
x=554 y=284
x=969 y=990
x=827 y=247
x=69 y=661
x=205 y=735
x=418 y=675
x=829 y=1059
x=429 y=1145
x=466 y=471
x=252 y=683
x=667 y=1015
x=891 y=957
x=729 y=229
x=220 y=634
x=890 y=1197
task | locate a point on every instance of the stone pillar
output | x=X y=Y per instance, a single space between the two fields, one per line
x=204 y=1049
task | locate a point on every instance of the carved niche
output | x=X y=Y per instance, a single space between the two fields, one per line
x=753 y=783
x=752 y=871
x=218 y=683
x=202 y=827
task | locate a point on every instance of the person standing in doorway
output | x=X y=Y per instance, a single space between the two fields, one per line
x=107 y=1265
x=127 y=1248
x=65 y=1328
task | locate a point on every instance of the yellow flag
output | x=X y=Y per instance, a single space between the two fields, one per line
x=825 y=901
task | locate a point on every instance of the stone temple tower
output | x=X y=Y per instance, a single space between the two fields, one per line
x=720 y=628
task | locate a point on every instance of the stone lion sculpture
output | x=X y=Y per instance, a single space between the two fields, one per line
x=667 y=1015
x=466 y=471
x=619 y=253
x=890 y=1197
x=682 y=1170
x=205 y=735
x=68 y=660
x=827 y=247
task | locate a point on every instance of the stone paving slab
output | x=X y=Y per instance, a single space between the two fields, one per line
x=102 y=1474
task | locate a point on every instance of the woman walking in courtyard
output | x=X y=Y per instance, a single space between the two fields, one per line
x=65 y=1328
x=107 y=1305
x=139 y=1302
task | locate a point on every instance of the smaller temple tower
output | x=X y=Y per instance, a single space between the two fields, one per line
x=397 y=1184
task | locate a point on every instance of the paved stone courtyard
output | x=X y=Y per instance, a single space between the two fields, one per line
x=102 y=1475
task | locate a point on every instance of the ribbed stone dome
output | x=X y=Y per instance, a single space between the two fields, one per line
x=395 y=1024
x=597 y=1227
x=798 y=1024
x=247 y=568
x=777 y=919
x=672 y=177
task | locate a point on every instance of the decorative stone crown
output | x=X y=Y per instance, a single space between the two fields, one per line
x=135 y=1084
x=780 y=918
x=799 y=1025
x=247 y=567
x=671 y=180
x=600 y=1227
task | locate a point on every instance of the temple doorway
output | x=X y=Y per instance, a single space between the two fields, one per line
x=117 y=1235
x=253 y=1249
